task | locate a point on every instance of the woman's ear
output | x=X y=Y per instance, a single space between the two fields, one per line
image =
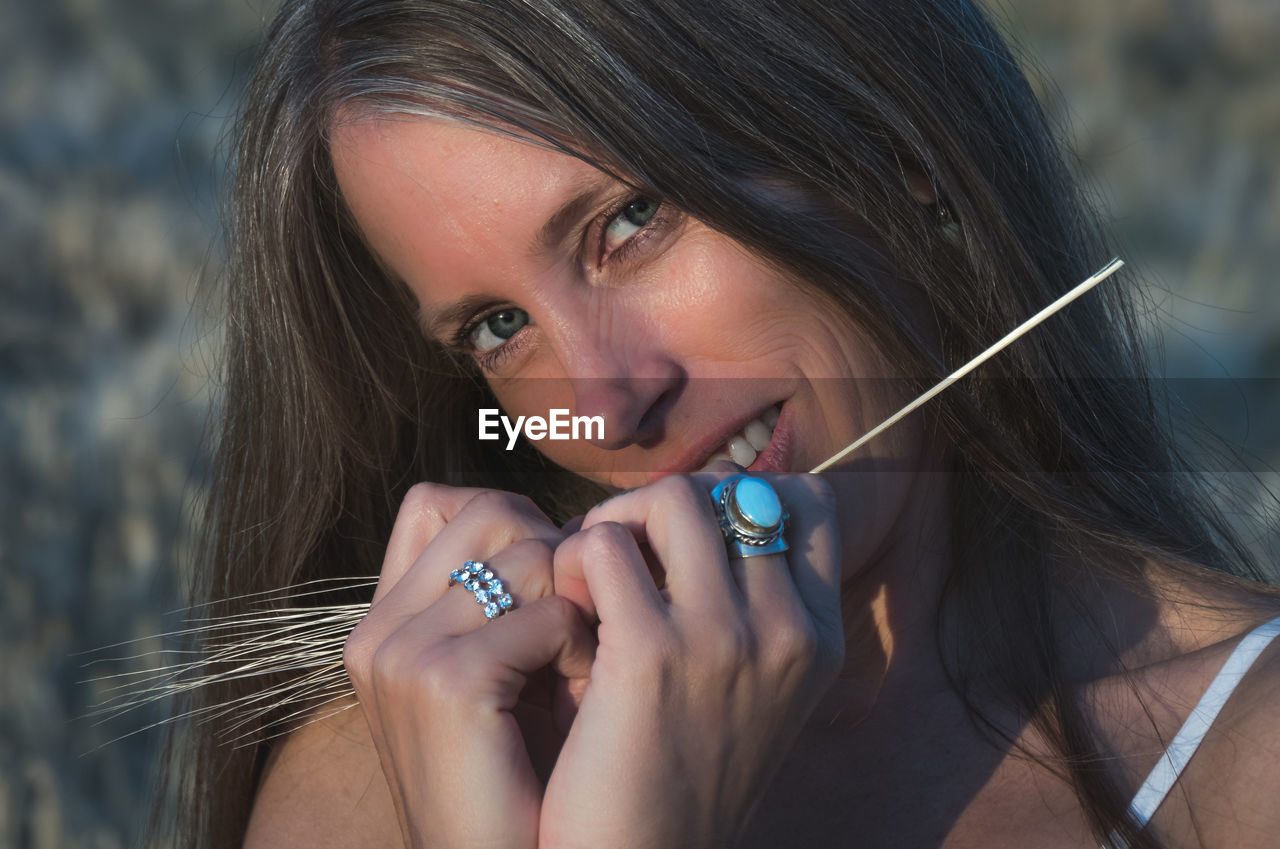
x=923 y=191
x=920 y=187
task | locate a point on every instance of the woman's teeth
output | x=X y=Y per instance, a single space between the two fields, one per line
x=758 y=434
x=741 y=452
x=743 y=448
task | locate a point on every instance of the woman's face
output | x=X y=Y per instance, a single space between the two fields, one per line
x=571 y=291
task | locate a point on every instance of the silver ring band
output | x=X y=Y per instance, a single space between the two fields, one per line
x=479 y=580
x=751 y=516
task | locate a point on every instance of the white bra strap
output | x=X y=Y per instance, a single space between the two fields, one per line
x=1192 y=732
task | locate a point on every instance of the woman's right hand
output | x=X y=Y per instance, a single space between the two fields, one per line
x=438 y=690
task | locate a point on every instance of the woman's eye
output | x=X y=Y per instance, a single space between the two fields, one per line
x=497 y=328
x=631 y=220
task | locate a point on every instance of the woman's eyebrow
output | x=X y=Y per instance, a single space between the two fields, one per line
x=557 y=228
x=437 y=324
x=590 y=193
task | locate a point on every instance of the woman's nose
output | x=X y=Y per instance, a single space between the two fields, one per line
x=633 y=409
x=631 y=384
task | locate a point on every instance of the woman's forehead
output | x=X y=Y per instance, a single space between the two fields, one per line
x=435 y=197
x=444 y=155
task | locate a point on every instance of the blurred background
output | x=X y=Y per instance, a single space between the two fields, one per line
x=110 y=180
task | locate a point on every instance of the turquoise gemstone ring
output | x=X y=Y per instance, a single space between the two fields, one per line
x=751 y=516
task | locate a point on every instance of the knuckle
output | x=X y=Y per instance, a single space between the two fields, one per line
x=422 y=500
x=530 y=572
x=797 y=645
x=420 y=493
x=500 y=501
x=423 y=512
x=680 y=489
x=428 y=674
x=731 y=647
x=831 y=651
x=805 y=647
x=602 y=543
x=357 y=654
x=531 y=550
x=820 y=491
x=385 y=663
x=506 y=517
x=438 y=675
x=605 y=508
x=558 y=609
x=568 y=550
x=652 y=659
x=604 y=537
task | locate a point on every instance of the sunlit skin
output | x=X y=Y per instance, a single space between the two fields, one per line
x=654 y=323
x=677 y=336
x=672 y=332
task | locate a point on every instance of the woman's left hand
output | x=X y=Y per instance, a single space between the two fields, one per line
x=698 y=689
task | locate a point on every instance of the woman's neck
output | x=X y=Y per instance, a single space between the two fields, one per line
x=890 y=602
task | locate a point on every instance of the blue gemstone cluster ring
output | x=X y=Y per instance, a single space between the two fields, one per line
x=479 y=580
x=751 y=516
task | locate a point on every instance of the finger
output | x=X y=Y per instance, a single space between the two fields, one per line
x=774 y=608
x=547 y=632
x=424 y=511
x=675 y=517
x=812 y=561
x=485 y=525
x=450 y=718
x=766 y=584
x=758 y=576
x=812 y=535
x=603 y=572
x=815 y=538
x=566 y=694
x=764 y=580
x=523 y=571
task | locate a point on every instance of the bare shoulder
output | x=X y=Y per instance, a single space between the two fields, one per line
x=323 y=787
x=1229 y=794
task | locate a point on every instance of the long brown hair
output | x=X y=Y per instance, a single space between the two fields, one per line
x=333 y=403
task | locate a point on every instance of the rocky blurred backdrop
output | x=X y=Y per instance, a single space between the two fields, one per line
x=110 y=180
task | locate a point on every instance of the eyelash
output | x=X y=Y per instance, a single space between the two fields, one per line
x=493 y=359
x=489 y=360
x=660 y=219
